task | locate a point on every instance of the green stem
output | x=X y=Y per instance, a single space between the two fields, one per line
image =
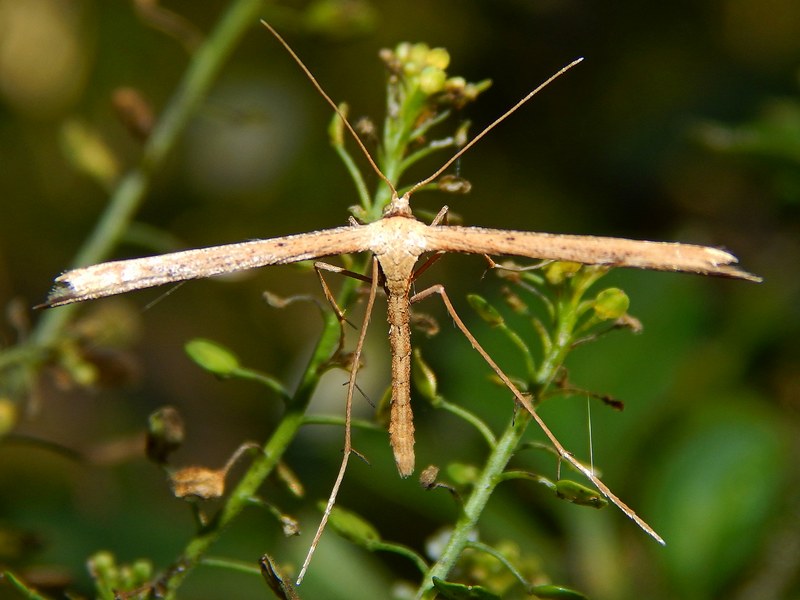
x=401 y=550
x=482 y=491
x=264 y=379
x=231 y=565
x=481 y=547
x=506 y=447
x=470 y=418
x=22 y=354
x=131 y=190
x=340 y=422
x=18 y=585
x=262 y=466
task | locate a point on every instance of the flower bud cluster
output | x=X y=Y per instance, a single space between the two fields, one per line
x=420 y=68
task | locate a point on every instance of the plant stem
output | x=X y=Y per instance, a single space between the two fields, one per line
x=132 y=188
x=274 y=448
x=232 y=565
x=506 y=447
x=482 y=491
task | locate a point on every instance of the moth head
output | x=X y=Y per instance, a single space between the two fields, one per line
x=400 y=206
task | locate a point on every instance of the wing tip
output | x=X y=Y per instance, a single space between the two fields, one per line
x=729 y=268
x=742 y=274
x=60 y=294
x=725 y=264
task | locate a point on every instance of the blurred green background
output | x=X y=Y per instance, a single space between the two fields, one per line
x=683 y=123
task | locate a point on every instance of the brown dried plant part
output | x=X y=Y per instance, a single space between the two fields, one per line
x=429 y=480
x=204 y=483
x=396 y=242
x=134 y=111
x=169 y=22
x=276 y=580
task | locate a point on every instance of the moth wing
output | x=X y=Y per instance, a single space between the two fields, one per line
x=590 y=250
x=118 y=277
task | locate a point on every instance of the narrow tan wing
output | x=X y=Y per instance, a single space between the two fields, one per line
x=118 y=277
x=590 y=250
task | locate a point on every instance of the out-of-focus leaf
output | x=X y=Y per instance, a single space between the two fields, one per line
x=352 y=526
x=774 y=134
x=212 y=357
x=459 y=591
x=20 y=586
x=714 y=488
x=462 y=474
x=556 y=592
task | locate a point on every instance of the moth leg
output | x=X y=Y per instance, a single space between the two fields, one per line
x=492 y=264
x=441 y=216
x=319 y=267
x=351 y=386
x=427 y=264
x=525 y=402
x=341 y=271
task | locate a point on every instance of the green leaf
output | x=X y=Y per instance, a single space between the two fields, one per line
x=423 y=376
x=579 y=494
x=459 y=591
x=352 y=527
x=462 y=474
x=19 y=585
x=212 y=357
x=719 y=481
x=338 y=19
x=88 y=152
x=336 y=127
x=485 y=311
x=556 y=592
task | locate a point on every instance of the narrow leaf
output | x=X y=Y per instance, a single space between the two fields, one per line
x=485 y=311
x=212 y=357
x=352 y=527
x=556 y=592
x=579 y=494
x=459 y=591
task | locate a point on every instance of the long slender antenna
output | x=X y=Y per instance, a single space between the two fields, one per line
x=363 y=148
x=333 y=104
x=496 y=122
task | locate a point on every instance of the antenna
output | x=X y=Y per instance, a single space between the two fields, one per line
x=317 y=85
x=496 y=122
x=452 y=159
